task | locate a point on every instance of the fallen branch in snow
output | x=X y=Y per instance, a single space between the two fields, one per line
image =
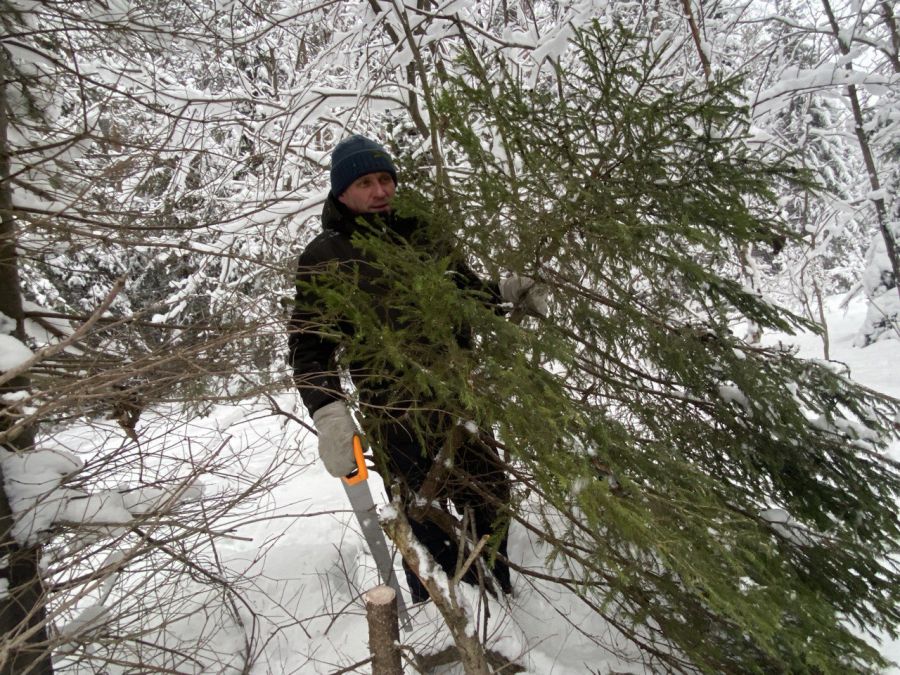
x=352 y=668
x=428 y=662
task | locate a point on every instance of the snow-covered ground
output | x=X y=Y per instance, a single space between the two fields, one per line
x=304 y=594
x=301 y=565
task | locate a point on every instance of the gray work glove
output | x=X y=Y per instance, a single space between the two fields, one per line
x=527 y=293
x=336 y=429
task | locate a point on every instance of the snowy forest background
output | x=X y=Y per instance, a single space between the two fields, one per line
x=162 y=164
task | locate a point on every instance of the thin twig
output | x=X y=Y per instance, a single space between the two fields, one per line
x=83 y=330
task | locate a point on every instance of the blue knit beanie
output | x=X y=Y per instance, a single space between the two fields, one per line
x=356 y=156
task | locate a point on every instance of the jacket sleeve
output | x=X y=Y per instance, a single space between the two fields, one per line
x=311 y=344
x=467 y=280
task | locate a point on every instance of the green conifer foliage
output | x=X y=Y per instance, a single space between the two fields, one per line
x=730 y=507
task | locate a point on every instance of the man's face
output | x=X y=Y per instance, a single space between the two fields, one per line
x=371 y=193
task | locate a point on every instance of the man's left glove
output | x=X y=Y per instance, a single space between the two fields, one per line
x=527 y=293
x=336 y=429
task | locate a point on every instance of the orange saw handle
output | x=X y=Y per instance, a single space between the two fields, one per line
x=361 y=473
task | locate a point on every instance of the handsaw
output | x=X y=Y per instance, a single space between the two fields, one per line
x=360 y=496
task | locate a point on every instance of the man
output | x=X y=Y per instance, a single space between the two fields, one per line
x=405 y=431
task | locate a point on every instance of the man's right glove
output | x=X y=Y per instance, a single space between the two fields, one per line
x=525 y=292
x=336 y=429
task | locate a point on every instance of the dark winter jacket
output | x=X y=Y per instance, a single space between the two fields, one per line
x=314 y=341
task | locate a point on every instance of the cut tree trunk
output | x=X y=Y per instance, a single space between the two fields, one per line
x=384 y=630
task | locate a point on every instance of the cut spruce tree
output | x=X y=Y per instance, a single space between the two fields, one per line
x=728 y=507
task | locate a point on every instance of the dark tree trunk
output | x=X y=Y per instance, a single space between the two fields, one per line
x=22 y=612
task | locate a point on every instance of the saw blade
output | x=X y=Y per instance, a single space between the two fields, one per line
x=363 y=505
